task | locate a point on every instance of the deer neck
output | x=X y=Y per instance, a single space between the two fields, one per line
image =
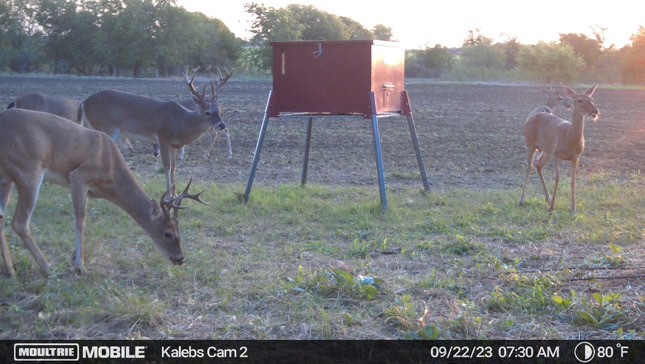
x=576 y=131
x=125 y=192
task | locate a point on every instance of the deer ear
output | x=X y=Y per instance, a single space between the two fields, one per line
x=590 y=91
x=569 y=91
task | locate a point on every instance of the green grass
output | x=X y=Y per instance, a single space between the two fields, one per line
x=292 y=262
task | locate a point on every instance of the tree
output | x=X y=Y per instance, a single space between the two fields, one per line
x=381 y=32
x=634 y=62
x=295 y=22
x=588 y=49
x=430 y=62
x=475 y=38
x=550 y=62
x=20 y=37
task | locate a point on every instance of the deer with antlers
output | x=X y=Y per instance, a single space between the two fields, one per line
x=558 y=139
x=166 y=123
x=37 y=146
x=190 y=104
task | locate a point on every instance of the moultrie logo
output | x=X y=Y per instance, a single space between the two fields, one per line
x=46 y=352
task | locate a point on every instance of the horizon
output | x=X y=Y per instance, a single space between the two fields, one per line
x=457 y=18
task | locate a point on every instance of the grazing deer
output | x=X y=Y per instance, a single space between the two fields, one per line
x=58 y=105
x=166 y=123
x=37 y=146
x=558 y=139
x=555 y=98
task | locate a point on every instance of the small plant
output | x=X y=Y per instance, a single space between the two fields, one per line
x=603 y=311
x=334 y=282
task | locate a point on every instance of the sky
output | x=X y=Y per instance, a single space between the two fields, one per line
x=425 y=23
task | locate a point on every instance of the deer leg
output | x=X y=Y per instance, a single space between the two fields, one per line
x=539 y=165
x=155 y=150
x=531 y=154
x=228 y=142
x=27 y=195
x=574 y=168
x=182 y=153
x=556 y=169
x=168 y=155
x=5 y=195
x=212 y=143
x=79 y=201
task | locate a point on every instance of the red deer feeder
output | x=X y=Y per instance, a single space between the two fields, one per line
x=339 y=78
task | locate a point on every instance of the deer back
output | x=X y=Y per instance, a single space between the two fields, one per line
x=58 y=105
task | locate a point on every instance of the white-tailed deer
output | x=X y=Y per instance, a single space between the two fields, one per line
x=190 y=105
x=555 y=98
x=58 y=105
x=558 y=139
x=166 y=123
x=37 y=146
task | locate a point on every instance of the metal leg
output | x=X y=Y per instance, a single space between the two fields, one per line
x=379 y=154
x=417 y=151
x=258 y=150
x=305 y=164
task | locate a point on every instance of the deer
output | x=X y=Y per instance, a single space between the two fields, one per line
x=555 y=98
x=37 y=146
x=558 y=139
x=190 y=104
x=166 y=123
x=65 y=107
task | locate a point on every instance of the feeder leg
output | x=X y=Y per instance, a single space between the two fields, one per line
x=417 y=151
x=305 y=164
x=379 y=154
x=258 y=150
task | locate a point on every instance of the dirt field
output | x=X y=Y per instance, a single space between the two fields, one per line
x=470 y=134
x=471 y=138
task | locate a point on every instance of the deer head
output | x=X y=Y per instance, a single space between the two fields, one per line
x=584 y=103
x=165 y=232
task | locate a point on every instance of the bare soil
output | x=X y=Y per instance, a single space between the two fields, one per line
x=470 y=134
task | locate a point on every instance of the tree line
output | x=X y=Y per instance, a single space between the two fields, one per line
x=159 y=38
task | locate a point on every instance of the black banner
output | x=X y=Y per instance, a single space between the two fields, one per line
x=325 y=351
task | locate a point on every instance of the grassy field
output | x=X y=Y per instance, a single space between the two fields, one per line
x=323 y=262
x=446 y=265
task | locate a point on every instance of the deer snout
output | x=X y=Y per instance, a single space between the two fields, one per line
x=177 y=260
x=221 y=125
x=595 y=114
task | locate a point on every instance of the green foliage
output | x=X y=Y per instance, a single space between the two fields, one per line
x=634 y=62
x=602 y=311
x=335 y=282
x=432 y=62
x=550 y=62
x=112 y=37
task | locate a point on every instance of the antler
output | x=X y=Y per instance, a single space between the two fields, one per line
x=217 y=83
x=191 y=86
x=175 y=203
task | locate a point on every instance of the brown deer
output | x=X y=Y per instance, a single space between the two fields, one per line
x=558 y=139
x=190 y=105
x=37 y=146
x=58 y=105
x=166 y=123
x=555 y=98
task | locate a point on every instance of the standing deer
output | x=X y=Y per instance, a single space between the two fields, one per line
x=190 y=105
x=58 y=105
x=37 y=146
x=166 y=123
x=558 y=139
